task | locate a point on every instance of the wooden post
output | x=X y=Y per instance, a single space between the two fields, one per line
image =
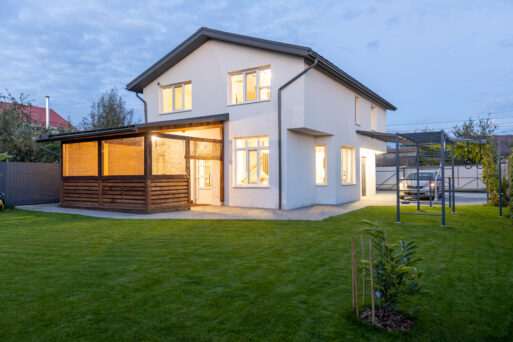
x=352 y=270
x=371 y=270
x=363 y=271
x=355 y=279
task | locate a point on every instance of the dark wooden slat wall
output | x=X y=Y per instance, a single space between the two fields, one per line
x=127 y=195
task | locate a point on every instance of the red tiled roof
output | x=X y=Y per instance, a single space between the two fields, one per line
x=38 y=115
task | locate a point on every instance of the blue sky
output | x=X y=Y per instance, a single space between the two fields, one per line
x=437 y=61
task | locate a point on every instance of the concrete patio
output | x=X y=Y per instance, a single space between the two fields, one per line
x=317 y=212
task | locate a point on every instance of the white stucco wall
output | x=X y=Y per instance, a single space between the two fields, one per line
x=207 y=68
x=329 y=107
x=315 y=101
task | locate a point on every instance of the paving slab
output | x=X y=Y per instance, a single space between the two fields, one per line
x=207 y=212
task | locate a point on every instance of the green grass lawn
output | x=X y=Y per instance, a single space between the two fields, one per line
x=68 y=277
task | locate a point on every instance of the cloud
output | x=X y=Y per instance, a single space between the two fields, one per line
x=415 y=54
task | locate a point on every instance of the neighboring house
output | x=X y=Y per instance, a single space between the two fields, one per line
x=38 y=116
x=213 y=134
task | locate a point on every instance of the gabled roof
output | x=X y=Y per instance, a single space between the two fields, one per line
x=204 y=34
x=38 y=116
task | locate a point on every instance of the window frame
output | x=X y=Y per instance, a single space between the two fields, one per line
x=244 y=90
x=353 y=165
x=103 y=161
x=357 y=118
x=205 y=176
x=325 y=164
x=374 y=118
x=65 y=160
x=172 y=87
x=247 y=149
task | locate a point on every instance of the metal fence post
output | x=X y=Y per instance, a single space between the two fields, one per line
x=500 y=177
x=397 y=180
x=442 y=166
x=418 y=180
x=453 y=184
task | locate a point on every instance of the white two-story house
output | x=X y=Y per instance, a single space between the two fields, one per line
x=267 y=125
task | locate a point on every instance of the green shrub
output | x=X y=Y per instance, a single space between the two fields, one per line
x=395 y=272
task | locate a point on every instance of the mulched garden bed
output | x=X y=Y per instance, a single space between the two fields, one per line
x=389 y=320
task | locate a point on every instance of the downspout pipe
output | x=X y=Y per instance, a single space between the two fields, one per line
x=58 y=155
x=279 y=124
x=145 y=107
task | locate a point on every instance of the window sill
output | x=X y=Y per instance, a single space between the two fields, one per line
x=321 y=185
x=176 y=112
x=348 y=184
x=253 y=186
x=247 y=102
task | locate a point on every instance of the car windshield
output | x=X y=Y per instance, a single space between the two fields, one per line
x=422 y=176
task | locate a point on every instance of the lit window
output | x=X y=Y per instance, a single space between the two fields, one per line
x=204 y=169
x=176 y=97
x=348 y=169
x=374 y=118
x=357 y=110
x=80 y=159
x=252 y=161
x=320 y=165
x=123 y=157
x=253 y=85
x=167 y=156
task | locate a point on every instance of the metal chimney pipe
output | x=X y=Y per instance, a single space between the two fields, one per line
x=47 y=111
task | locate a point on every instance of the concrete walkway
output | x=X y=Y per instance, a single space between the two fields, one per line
x=317 y=212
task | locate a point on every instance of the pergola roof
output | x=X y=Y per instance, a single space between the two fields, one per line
x=135 y=128
x=421 y=138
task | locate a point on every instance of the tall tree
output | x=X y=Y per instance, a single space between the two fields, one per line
x=108 y=112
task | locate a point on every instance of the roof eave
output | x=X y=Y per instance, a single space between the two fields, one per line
x=197 y=39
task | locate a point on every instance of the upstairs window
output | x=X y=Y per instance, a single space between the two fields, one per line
x=357 y=110
x=374 y=118
x=250 y=86
x=177 y=97
x=252 y=161
x=320 y=165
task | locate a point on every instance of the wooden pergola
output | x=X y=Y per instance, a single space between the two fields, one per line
x=138 y=168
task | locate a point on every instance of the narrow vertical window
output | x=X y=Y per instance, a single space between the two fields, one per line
x=204 y=173
x=167 y=100
x=187 y=96
x=178 y=103
x=320 y=165
x=237 y=82
x=374 y=118
x=348 y=165
x=251 y=86
x=252 y=161
x=264 y=84
x=357 y=110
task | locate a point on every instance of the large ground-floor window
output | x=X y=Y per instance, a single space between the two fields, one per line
x=252 y=161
